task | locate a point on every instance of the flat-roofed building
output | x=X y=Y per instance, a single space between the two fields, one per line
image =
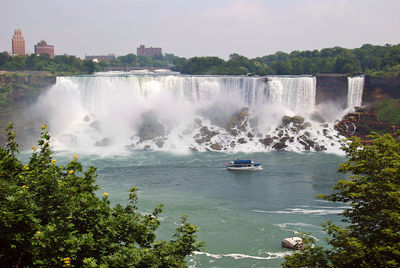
x=43 y=48
x=148 y=51
x=18 y=43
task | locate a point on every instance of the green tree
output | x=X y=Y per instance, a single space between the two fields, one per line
x=88 y=66
x=371 y=234
x=50 y=216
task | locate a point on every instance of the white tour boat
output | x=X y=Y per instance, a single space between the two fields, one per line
x=244 y=165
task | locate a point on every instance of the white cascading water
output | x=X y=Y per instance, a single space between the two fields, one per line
x=355 y=91
x=106 y=113
x=296 y=93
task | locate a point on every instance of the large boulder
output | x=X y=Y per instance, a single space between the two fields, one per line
x=216 y=147
x=150 y=127
x=267 y=141
x=279 y=145
x=242 y=141
x=206 y=135
x=150 y=130
x=306 y=125
x=160 y=143
x=286 y=120
x=204 y=131
x=238 y=120
x=297 y=119
x=293 y=243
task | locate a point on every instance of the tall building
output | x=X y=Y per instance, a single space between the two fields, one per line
x=18 y=43
x=43 y=48
x=148 y=51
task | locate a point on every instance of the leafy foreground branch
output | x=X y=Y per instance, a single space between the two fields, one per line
x=50 y=216
x=371 y=237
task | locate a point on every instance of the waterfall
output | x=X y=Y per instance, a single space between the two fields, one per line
x=355 y=91
x=105 y=111
x=296 y=93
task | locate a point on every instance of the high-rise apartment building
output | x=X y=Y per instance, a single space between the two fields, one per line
x=18 y=43
x=43 y=48
x=148 y=51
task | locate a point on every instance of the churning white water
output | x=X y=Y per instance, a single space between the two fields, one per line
x=355 y=91
x=114 y=112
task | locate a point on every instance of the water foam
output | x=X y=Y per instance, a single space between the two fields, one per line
x=237 y=256
x=318 y=212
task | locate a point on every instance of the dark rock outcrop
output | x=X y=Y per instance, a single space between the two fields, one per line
x=205 y=135
x=379 y=88
x=150 y=130
x=238 y=121
x=293 y=243
x=216 y=147
x=242 y=141
x=159 y=143
x=332 y=87
x=267 y=141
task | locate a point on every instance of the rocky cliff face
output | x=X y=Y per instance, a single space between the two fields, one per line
x=25 y=85
x=380 y=88
x=17 y=91
x=331 y=87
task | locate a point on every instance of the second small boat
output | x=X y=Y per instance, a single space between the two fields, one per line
x=244 y=165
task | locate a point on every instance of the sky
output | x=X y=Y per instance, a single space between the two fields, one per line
x=188 y=28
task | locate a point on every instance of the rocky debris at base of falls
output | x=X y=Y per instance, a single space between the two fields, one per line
x=205 y=135
x=293 y=133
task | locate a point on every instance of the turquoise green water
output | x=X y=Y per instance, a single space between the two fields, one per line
x=242 y=216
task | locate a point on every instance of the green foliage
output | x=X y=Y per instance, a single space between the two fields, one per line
x=51 y=217
x=68 y=64
x=132 y=60
x=371 y=236
x=363 y=129
x=373 y=60
x=387 y=110
x=389 y=72
x=16 y=86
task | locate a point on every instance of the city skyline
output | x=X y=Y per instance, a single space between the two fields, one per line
x=200 y=28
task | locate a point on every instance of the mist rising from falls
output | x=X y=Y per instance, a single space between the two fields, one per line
x=355 y=91
x=177 y=113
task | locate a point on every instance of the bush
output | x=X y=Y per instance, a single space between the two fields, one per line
x=51 y=217
x=363 y=129
x=388 y=110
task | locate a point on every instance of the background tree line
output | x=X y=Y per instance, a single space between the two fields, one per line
x=59 y=64
x=370 y=59
x=73 y=64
